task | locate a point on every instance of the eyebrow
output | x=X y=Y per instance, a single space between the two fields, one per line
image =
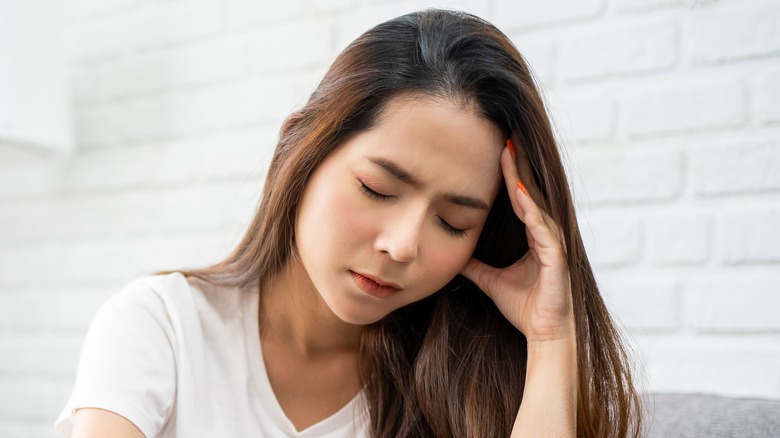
x=406 y=178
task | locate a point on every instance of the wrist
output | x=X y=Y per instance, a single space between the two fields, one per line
x=564 y=334
x=560 y=350
x=563 y=345
x=550 y=392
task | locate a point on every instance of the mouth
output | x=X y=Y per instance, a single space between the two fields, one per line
x=374 y=286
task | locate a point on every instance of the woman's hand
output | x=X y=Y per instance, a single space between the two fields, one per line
x=534 y=293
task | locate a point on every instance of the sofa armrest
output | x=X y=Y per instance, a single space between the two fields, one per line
x=711 y=416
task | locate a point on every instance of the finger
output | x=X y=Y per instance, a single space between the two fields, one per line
x=511 y=177
x=523 y=165
x=546 y=241
x=481 y=274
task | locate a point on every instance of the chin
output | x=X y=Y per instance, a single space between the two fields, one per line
x=352 y=313
x=358 y=318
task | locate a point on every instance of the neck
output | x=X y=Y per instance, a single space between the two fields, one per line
x=294 y=315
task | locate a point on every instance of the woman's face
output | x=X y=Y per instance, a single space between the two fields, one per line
x=394 y=213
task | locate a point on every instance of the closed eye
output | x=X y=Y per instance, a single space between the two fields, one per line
x=373 y=194
x=455 y=232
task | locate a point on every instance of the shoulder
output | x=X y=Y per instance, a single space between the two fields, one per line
x=148 y=340
x=175 y=296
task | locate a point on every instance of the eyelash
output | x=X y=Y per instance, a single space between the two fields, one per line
x=368 y=191
x=372 y=193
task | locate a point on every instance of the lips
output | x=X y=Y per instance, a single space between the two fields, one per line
x=374 y=286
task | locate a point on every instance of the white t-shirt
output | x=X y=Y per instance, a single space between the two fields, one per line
x=182 y=359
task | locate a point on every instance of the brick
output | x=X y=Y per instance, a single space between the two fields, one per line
x=208 y=61
x=26 y=179
x=642 y=302
x=216 y=206
x=734 y=34
x=247 y=103
x=735 y=168
x=582 y=117
x=43 y=310
x=639 y=5
x=26 y=429
x=240 y=103
x=38 y=355
x=306 y=81
x=736 y=303
x=105 y=37
x=539 y=54
x=291 y=46
x=33 y=399
x=633 y=5
x=95 y=126
x=639 y=48
x=735 y=367
x=243 y=154
x=632 y=175
x=13 y=154
x=244 y=13
x=235 y=154
x=140 y=74
x=153 y=72
x=678 y=239
x=611 y=240
x=686 y=106
x=82 y=8
x=111 y=259
x=178 y=21
x=766 y=94
x=84 y=84
x=153 y=25
x=750 y=236
x=352 y=23
x=528 y=13
x=331 y=5
x=148 y=117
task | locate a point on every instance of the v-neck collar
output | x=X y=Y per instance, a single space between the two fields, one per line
x=259 y=377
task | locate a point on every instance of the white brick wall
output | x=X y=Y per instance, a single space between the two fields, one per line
x=692 y=104
x=668 y=110
x=623 y=50
x=678 y=238
x=735 y=303
x=529 y=13
x=732 y=34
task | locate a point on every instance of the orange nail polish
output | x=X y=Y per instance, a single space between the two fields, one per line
x=511 y=147
x=521 y=186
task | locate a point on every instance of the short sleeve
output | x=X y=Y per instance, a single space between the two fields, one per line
x=128 y=362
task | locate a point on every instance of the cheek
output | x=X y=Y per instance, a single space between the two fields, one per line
x=446 y=262
x=333 y=221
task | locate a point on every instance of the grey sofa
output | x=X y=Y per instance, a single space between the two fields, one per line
x=711 y=416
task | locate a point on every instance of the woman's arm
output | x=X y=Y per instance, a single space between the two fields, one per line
x=98 y=423
x=549 y=406
x=127 y=367
x=534 y=294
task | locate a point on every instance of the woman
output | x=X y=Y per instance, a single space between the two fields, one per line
x=424 y=153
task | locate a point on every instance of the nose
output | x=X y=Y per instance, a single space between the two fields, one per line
x=400 y=237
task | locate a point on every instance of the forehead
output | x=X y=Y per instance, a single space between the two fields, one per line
x=445 y=143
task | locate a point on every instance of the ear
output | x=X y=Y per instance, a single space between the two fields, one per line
x=290 y=122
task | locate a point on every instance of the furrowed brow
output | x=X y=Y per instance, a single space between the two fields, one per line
x=406 y=178
x=396 y=171
x=467 y=201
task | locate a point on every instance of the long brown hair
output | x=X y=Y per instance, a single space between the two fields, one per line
x=451 y=364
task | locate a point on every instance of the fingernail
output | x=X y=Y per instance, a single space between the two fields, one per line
x=521 y=186
x=511 y=147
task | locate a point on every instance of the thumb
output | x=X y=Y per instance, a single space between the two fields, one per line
x=481 y=274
